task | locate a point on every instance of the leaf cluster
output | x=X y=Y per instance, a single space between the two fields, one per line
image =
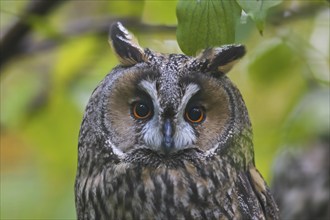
x=208 y=23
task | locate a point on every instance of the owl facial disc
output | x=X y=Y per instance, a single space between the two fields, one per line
x=168 y=102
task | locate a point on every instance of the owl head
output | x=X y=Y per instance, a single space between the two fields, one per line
x=167 y=106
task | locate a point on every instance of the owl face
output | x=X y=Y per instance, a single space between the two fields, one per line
x=169 y=103
x=166 y=114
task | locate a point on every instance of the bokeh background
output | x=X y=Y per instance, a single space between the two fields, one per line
x=53 y=54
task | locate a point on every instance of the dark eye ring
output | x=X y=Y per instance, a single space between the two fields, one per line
x=141 y=110
x=195 y=114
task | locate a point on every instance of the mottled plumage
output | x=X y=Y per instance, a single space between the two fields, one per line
x=168 y=136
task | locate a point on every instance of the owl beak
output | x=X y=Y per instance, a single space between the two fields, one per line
x=167 y=144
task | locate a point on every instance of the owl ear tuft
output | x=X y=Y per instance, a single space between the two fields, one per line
x=221 y=58
x=125 y=45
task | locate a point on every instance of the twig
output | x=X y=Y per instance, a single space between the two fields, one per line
x=10 y=43
x=95 y=25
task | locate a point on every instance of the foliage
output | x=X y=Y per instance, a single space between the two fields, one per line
x=284 y=79
x=207 y=23
x=257 y=10
x=203 y=24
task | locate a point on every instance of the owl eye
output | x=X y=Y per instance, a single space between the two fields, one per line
x=195 y=114
x=141 y=110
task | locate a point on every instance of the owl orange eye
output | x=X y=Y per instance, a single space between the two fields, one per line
x=141 y=110
x=195 y=114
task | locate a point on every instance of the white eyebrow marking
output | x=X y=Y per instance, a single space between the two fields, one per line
x=185 y=135
x=191 y=90
x=150 y=88
x=151 y=131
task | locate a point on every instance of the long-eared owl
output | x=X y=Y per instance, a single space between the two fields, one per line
x=168 y=136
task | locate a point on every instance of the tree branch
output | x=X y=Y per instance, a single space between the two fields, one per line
x=15 y=41
x=10 y=43
x=96 y=25
x=279 y=17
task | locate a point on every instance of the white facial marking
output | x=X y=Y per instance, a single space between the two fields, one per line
x=213 y=150
x=191 y=90
x=184 y=135
x=152 y=133
x=115 y=149
x=150 y=88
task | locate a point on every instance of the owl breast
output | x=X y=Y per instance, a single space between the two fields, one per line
x=131 y=191
x=191 y=188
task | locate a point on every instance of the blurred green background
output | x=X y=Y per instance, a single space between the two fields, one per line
x=52 y=70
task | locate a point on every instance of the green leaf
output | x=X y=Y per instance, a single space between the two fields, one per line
x=257 y=10
x=206 y=23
